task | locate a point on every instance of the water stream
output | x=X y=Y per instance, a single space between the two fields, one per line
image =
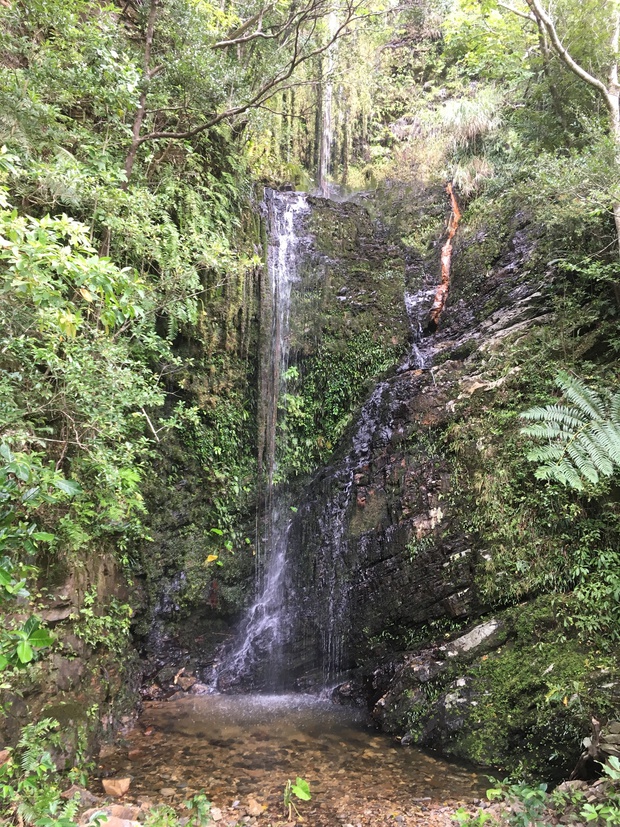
x=240 y=749
x=295 y=633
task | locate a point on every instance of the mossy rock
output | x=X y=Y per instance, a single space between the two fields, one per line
x=522 y=707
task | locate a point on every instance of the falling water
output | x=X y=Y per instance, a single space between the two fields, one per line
x=297 y=631
x=333 y=524
x=417 y=305
x=258 y=654
x=324 y=522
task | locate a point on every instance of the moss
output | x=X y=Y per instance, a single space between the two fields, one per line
x=521 y=708
x=534 y=700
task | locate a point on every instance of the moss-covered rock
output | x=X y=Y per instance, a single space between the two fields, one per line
x=518 y=700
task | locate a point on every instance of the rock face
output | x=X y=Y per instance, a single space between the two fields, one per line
x=377 y=543
x=83 y=685
x=383 y=565
x=377 y=556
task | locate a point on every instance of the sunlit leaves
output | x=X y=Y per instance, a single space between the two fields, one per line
x=51 y=262
x=582 y=438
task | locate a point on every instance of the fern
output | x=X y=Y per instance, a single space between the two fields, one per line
x=582 y=438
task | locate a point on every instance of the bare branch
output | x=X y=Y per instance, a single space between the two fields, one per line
x=522 y=14
x=266 y=90
x=237 y=35
x=148 y=419
x=546 y=23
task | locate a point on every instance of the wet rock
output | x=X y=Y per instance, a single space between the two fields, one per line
x=167 y=792
x=116 y=787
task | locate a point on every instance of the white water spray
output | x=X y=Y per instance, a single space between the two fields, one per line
x=262 y=633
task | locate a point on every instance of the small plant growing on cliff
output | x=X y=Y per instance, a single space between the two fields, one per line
x=110 y=629
x=300 y=789
x=582 y=438
x=30 y=786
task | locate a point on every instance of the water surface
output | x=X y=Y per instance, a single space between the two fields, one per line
x=242 y=747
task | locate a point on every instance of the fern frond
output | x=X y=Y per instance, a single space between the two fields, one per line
x=560 y=415
x=546 y=453
x=596 y=451
x=560 y=472
x=608 y=437
x=582 y=461
x=583 y=439
x=583 y=397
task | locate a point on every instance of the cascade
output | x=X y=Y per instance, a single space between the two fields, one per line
x=257 y=656
x=297 y=631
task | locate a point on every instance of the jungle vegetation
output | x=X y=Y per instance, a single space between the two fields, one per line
x=135 y=138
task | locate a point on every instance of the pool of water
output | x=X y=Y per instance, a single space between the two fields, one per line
x=241 y=750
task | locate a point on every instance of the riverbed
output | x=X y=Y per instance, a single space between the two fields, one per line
x=240 y=750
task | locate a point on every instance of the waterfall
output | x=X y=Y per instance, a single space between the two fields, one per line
x=297 y=633
x=257 y=656
x=416 y=305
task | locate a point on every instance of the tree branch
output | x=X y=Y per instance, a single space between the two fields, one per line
x=266 y=90
x=547 y=24
x=522 y=14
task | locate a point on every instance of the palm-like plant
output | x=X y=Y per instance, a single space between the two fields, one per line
x=582 y=435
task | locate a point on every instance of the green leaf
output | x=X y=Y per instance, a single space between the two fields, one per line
x=25 y=652
x=69 y=487
x=31 y=625
x=44 y=536
x=301 y=789
x=40 y=638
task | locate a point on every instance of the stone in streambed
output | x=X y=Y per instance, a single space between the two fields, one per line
x=253 y=807
x=85 y=798
x=167 y=792
x=116 y=787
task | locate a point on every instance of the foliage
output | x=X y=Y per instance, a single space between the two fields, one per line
x=30 y=786
x=532 y=806
x=300 y=789
x=26 y=485
x=584 y=438
x=324 y=394
x=103 y=625
x=199 y=814
x=65 y=317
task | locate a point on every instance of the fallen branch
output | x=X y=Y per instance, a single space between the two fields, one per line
x=441 y=295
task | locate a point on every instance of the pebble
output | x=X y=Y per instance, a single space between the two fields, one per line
x=253 y=807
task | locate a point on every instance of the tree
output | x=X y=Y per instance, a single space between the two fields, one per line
x=268 y=48
x=605 y=63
